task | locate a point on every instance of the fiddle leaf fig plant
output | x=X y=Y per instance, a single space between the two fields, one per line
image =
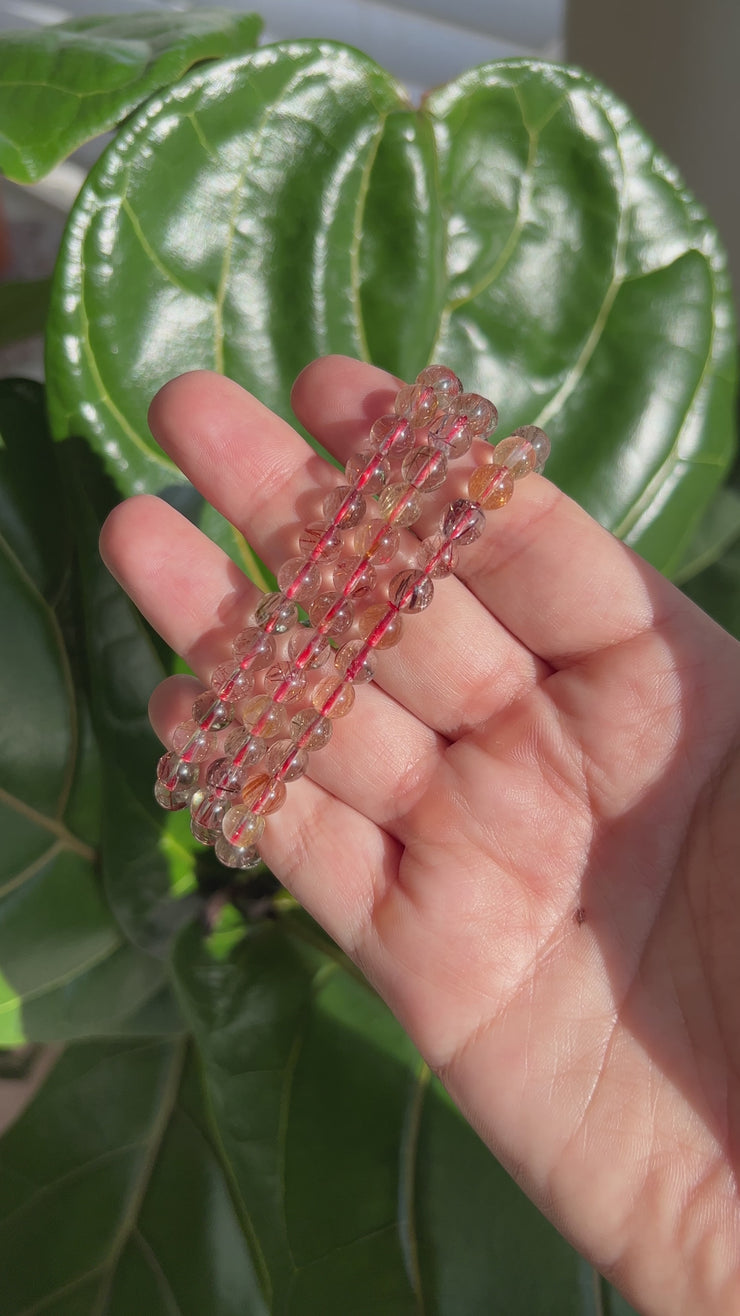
x=237 y=1124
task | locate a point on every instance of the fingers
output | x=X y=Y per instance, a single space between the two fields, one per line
x=554 y=578
x=457 y=665
x=197 y=599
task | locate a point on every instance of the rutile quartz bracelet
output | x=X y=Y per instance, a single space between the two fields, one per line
x=230 y=789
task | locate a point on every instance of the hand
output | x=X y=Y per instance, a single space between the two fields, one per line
x=527 y=833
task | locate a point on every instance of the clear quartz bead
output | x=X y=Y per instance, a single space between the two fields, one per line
x=260 y=711
x=517 y=455
x=172 y=800
x=341 y=609
x=242 y=827
x=211 y=712
x=451 y=435
x=345 y=506
x=277 y=611
x=444 y=381
x=232 y=683
x=286 y=760
x=411 y=591
x=177 y=773
x=539 y=441
x=401 y=504
x=333 y=697
x=225 y=775
x=289 y=681
x=463 y=521
x=193 y=742
x=381 y=625
x=480 y=414
x=310 y=730
x=418 y=403
x=425 y=468
x=323 y=534
x=207 y=811
x=252 y=642
x=368 y=472
x=356 y=662
x=264 y=794
x=298 y=579
x=236 y=856
x=491 y=486
x=359 y=572
x=392 y=434
x=377 y=540
x=303 y=639
x=247 y=748
x=436 y=549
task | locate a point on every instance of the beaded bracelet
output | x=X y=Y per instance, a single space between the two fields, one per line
x=433 y=422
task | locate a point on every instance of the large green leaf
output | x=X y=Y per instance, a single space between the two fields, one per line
x=147 y=856
x=519 y=226
x=716 y=587
x=112 y=1195
x=363 y=1188
x=65 y=968
x=63 y=84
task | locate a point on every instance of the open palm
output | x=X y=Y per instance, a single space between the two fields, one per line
x=527 y=834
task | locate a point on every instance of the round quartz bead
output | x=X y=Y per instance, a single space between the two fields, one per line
x=207 y=811
x=516 y=455
x=342 y=613
x=372 y=618
x=463 y=522
x=539 y=441
x=377 y=540
x=299 y=579
x=193 y=742
x=411 y=591
x=264 y=794
x=356 y=662
x=232 y=683
x=225 y=775
x=271 y=717
x=344 y=505
x=236 y=856
x=444 y=381
x=244 y=747
x=392 y=434
x=451 y=435
x=172 y=800
x=333 y=697
x=252 y=643
x=319 y=533
x=400 y=503
x=310 y=729
x=211 y=712
x=369 y=481
x=278 y=612
x=480 y=414
x=286 y=761
x=177 y=773
x=491 y=486
x=283 y=677
x=418 y=403
x=437 y=550
x=242 y=827
x=425 y=468
x=359 y=572
x=303 y=639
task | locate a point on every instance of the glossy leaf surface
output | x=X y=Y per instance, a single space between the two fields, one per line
x=518 y=226
x=65 y=968
x=365 y=1190
x=63 y=84
x=112 y=1195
